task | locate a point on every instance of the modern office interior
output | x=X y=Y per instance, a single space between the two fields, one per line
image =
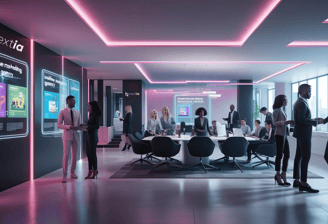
x=161 y=73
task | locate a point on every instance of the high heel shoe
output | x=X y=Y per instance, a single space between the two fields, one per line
x=94 y=174
x=89 y=174
x=276 y=181
x=124 y=148
x=283 y=177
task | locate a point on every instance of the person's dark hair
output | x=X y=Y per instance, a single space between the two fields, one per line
x=258 y=121
x=263 y=109
x=213 y=121
x=278 y=101
x=303 y=88
x=69 y=97
x=243 y=119
x=199 y=109
x=95 y=107
x=268 y=122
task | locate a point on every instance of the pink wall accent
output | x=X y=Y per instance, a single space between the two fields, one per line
x=219 y=106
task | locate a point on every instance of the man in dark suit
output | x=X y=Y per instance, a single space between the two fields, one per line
x=233 y=118
x=303 y=134
x=268 y=138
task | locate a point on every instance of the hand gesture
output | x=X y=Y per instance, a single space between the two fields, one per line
x=320 y=120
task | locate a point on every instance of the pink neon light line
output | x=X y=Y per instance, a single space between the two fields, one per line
x=326 y=21
x=224 y=82
x=308 y=44
x=200 y=62
x=32 y=112
x=87 y=18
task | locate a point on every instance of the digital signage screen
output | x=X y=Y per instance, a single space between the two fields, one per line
x=14 y=97
x=183 y=111
x=55 y=89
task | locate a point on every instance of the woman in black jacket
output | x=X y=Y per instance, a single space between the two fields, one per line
x=127 y=127
x=201 y=123
x=92 y=126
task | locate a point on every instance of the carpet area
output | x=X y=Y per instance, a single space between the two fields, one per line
x=223 y=171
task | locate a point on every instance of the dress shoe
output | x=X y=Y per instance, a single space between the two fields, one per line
x=89 y=174
x=283 y=177
x=296 y=183
x=278 y=180
x=124 y=148
x=248 y=160
x=94 y=175
x=64 y=180
x=73 y=175
x=307 y=188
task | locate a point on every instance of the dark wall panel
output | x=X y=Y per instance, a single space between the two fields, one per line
x=109 y=106
x=101 y=99
x=245 y=102
x=48 y=152
x=132 y=95
x=14 y=153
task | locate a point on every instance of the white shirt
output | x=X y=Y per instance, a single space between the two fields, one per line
x=231 y=117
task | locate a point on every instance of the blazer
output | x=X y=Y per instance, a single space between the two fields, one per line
x=154 y=126
x=235 y=119
x=269 y=116
x=325 y=120
x=65 y=121
x=127 y=127
x=205 y=126
x=279 y=118
x=303 y=121
x=93 y=126
x=168 y=125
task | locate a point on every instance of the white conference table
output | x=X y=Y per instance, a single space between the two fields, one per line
x=188 y=159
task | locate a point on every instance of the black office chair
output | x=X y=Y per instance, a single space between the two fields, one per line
x=139 y=148
x=164 y=147
x=201 y=147
x=234 y=147
x=267 y=150
x=149 y=155
x=262 y=133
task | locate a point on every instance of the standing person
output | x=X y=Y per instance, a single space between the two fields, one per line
x=201 y=123
x=303 y=134
x=266 y=113
x=281 y=122
x=69 y=120
x=92 y=126
x=233 y=118
x=244 y=127
x=127 y=126
x=153 y=125
x=167 y=121
x=257 y=129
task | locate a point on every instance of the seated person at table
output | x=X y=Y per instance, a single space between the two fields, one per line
x=244 y=127
x=201 y=123
x=268 y=138
x=167 y=121
x=214 y=129
x=153 y=124
x=257 y=129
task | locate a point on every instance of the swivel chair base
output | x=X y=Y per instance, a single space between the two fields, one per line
x=150 y=156
x=203 y=165
x=142 y=160
x=165 y=163
x=267 y=162
x=234 y=162
x=224 y=157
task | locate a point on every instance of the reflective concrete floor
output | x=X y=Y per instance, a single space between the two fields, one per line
x=47 y=200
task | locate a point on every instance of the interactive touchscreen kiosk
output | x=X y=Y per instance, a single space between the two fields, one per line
x=55 y=89
x=14 y=98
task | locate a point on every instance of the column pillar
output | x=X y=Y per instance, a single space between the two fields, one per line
x=245 y=101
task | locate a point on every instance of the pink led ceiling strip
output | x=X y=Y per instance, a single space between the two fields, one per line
x=309 y=43
x=294 y=64
x=99 y=31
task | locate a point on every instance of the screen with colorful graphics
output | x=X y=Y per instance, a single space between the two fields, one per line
x=55 y=89
x=14 y=97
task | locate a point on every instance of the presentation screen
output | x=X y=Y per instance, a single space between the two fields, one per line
x=14 y=97
x=55 y=89
x=186 y=106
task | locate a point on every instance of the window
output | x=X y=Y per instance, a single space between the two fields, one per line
x=322 y=101
x=271 y=96
x=313 y=100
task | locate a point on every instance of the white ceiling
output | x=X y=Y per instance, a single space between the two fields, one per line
x=55 y=25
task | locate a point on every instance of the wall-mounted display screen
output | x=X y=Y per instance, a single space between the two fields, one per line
x=55 y=89
x=183 y=111
x=14 y=97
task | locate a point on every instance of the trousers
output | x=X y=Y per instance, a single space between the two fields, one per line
x=303 y=155
x=92 y=154
x=282 y=151
x=69 y=145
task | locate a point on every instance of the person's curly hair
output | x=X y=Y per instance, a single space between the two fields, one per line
x=200 y=109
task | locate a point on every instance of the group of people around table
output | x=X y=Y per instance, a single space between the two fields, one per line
x=276 y=125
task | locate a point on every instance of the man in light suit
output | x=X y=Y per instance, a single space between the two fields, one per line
x=303 y=134
x=233 y=118
x=69 y=120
